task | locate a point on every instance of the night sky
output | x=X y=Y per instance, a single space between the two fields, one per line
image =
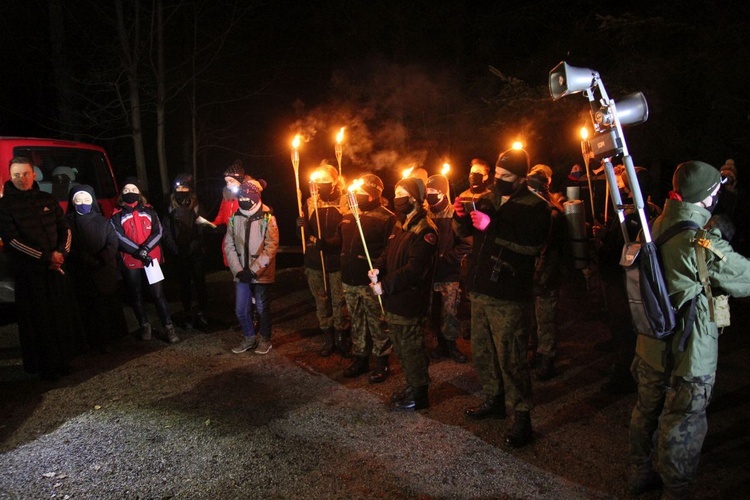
x=411 y=81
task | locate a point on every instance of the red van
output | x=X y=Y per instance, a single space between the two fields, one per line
x=59 y=166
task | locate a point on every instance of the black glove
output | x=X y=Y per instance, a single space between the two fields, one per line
x=141 y=254
x=245 y=276
x=301 y=222
x=319 y=244
x=147 y=261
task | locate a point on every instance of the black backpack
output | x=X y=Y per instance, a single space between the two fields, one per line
x=651 y=310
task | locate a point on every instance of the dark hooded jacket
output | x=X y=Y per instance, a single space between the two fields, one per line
x=93 y=255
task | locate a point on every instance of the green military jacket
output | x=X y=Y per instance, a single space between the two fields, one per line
x=730 y=273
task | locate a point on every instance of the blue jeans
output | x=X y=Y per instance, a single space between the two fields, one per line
x=243 y=308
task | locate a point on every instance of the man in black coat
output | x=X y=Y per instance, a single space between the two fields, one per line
x=36 y=235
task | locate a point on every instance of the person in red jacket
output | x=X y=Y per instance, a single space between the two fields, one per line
x=138 y=235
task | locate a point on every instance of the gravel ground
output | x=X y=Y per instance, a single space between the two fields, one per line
x=193 y=420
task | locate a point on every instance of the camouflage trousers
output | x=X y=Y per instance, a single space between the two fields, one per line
x=450 y=296
x=545 y=306
x=407 y=335
x=367 y=318
x=498 y=347
x=329 y=306
x=668 y=424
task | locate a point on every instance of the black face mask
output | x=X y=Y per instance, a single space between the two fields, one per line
x=246 y=204
x=476 y=182
x=364 y=203
x=326 y=191
x=182 y=197
x=504 y=188
x=402 y=205
x=432 y=199
x=131 y=197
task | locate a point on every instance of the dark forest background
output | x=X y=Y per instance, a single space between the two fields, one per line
x=419 y=82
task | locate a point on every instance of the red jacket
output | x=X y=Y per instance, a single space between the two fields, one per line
x=136 y=226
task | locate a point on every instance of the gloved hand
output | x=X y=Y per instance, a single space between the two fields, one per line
x=301 y=222
x=245 y=276
x=142 y=254
x=480 y=220
x=377 y=288
x=373 y=275
x=319 y=244
x=458 y=206
x=147 y=261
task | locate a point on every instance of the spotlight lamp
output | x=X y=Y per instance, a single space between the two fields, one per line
x=608 y=139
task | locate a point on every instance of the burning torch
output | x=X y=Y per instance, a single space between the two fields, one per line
x=295 y=165
x=314 y=194
x=445 y=171
x=407 y=172
x=339 y=140
x=354 y=207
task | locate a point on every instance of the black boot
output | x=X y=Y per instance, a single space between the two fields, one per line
x=343 y=343
x=441 y=351
x=492 y=407
x=454 y=353
x=381 y=371
x=520 y=434
x=327 y=348
x=546 y=369
x=401 y=393
x=414 y=399
x=358 y=367
x=643 y=478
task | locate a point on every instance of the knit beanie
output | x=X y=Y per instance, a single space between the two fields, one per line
x=438 y=182
x=251 y=189
x=538 y=179
x=372 y=185
x=515 y=161
x=695 y=180
x=414 y=186
x=134 y=181
x=235 y=170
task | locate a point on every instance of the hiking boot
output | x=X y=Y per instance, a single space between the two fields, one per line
x=246 y=344
x=146 y=332
x=264 y=346
x=328 y=346
x=546 y=369
x=454 y=353
x=171 y=334
x=520 y=434
x=643 y=478
x=343 y=343
x=491 y=407
x=359 y=366
x=414 y=399
x=381 y=371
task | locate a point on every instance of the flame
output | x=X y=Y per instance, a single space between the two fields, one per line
x=584 y=133
x=446 y=168
x=315 y=175
x=356 y=184
x=517 y=145
x=406 y=173
x=296 y=141
x=340 y=136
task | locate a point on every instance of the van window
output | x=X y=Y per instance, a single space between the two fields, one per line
x=64 y=168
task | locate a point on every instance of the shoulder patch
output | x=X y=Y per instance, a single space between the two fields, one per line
x=430 y=238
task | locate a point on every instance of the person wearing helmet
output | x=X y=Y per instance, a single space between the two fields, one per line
x=183 y=238
x=508 y=234
x=445 y=287
x=368 y=327
x=329 y=207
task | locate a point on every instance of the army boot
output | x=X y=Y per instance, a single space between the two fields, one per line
x=520 y=434
x=415 y=399
x=454 y=353
x=146 y=331
x=327 y=348
x=441 y=350
x=643 y=478
x=343 y=343
x=359 y=366
x=546 y=369
x=381 y=371
x=491 y=407
x=676 y=492
x=171 y=334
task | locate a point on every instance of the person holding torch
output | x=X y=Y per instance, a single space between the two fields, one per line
x=402 y=276
x=325 y=211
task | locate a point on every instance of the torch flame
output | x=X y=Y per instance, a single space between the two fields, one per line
x=340 y=136
x=295 y=142
x=446 y=168
x=315 y=175
x=584 y=133
x=406 y=173
x=517 y=145
x=356 y=184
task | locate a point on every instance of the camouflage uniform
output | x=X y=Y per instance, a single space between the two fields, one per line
x=450 y=296
x=673 y=419
x=408 y=341
x=329 y=306
x=545 y=310
x=364 y=309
